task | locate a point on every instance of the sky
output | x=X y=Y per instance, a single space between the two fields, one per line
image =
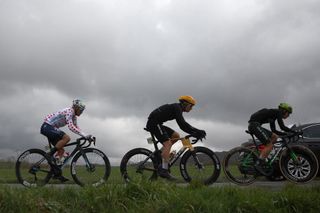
x=125 y=58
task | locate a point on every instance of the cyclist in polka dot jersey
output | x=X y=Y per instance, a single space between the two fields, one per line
x=54 y=121
x=62 y=118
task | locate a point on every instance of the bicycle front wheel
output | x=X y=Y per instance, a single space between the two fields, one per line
x=138 y=165
x=90 y=167
x=200 y=165
x=238 y=166
x=298 y=164
x=33 y=168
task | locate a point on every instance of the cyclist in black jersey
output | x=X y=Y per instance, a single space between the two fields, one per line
x=267 y=137
x=168 y=136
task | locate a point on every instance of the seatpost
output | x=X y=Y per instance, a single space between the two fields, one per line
x=154 y=142
x=254 y=141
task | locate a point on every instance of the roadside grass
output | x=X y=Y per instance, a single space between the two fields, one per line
x=159 y=197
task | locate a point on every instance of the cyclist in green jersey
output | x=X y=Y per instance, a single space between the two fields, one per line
x=266 y=136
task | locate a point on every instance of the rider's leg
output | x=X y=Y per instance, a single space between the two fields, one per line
x=261 y=161
x=163 y=171
x=174 y=137
x=60 y=150
x=166 y=149
x=165 y=154
x=268 y=147
x=61 y=143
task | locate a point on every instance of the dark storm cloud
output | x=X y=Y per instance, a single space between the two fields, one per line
x=127 y=57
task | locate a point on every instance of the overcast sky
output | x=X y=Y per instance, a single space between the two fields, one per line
x=126 y=57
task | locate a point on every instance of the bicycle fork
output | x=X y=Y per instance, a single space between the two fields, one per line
x=199 y=165
x=294 y=157
x=90 y=167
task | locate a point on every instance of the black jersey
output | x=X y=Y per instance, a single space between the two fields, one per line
x=169 y=112
x=270 y=116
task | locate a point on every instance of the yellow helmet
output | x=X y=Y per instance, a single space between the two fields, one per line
x=187 y=98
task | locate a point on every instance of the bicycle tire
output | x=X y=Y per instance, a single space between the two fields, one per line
x=32 y=168
x=210 y=171
x=306 y=170
x=238 y=166
x=133 y=171
x=96 y=173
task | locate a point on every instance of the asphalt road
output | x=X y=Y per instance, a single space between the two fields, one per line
x=272 y=185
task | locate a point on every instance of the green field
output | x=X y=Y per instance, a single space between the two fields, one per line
x=7 y=174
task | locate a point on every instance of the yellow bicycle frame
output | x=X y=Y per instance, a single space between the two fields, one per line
x=186 y=143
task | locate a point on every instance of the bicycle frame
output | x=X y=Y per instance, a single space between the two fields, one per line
x=187 y=145
x=278 y=150
x=192 y=162
x=79 y=148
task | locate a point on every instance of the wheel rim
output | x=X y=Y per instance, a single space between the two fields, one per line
x=199 y=173
x=137 y=171
x=33 y=169
x=95 y=173
x=239 y=166
x=300 y=170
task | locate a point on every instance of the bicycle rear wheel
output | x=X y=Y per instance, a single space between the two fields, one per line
x=201 y=165
x=138 y=165
x=299 y=164
x=33 y=168
x=238 y=166
x=90 y=167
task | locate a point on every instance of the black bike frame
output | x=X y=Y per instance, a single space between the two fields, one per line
x=157 y=156
x=284 y=145
x=79 y=148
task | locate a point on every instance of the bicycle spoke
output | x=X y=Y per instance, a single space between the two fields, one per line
x=91 y=168
x=239 y=166
x=137 y=166
x=33 y=169
x=201 y=166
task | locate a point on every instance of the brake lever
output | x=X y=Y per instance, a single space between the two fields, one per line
x=195 y=140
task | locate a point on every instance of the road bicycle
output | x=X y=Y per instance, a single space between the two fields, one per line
x=297 y=163
x=89 y=166
x=195 y=163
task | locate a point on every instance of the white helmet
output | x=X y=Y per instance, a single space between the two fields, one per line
x=78 y=103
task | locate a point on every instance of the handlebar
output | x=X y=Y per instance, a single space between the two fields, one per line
x=193 y=141
x=83 y=140
x=292 y=136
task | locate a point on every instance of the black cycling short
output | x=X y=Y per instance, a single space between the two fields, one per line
x=53 y=134
x=161 y=132
x=261 y=133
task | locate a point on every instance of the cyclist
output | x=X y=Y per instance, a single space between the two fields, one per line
x=267 y=137
x=168 y=136
x=58 y=138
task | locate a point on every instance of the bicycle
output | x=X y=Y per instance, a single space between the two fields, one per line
x=196 y=163
x=297 y=163
x=89 y=166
